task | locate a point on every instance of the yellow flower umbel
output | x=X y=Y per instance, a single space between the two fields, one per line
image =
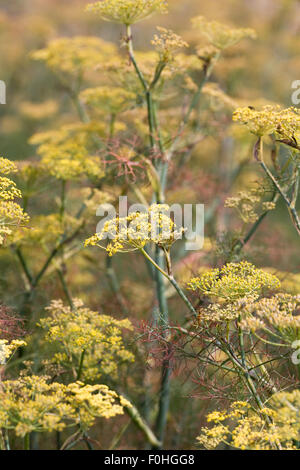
x=7 y=348
x=36 y=404
x=230 y=289
x=111 y=100
x=274 y=317
x=234 y=281
x=127 y=12
x=45 y=230
x=75 y=55
x=70 y=153
x=167 y=43
x=220 y=35
x=249 y=205
x=269 y=120
x=84 y=335
x=246 y=430
x=136 y=230
x=11 y=214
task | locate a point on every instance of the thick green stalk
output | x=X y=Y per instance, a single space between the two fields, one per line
x=65 y=288
x=114 y=284
x=79 y=372
x=245 y=374
x=258 y=153
x=134 y=414
x=132 y=58
x=164 y=397
x=159 y=258
x=172 y=280
x=80 y=108
x=27 y=441
x=239 y=245
x=241 y=341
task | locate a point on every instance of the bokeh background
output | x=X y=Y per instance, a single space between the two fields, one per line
x=250 y=73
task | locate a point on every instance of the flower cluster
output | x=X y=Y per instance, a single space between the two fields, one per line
x=111 y=100
x=11 y=214
x=167 y=43
x=36 y=404
x=241 y=428
x=269 y=120
x=136 y=230
x=234 y=281
x=8 y=348
x=46 y=230
x=93 y=198
x=70 y=153
x=224 y=312
x=127 y=11
x=247 y=205
x=7 y=166
x=75 y=55
x=8 y=189
x=84 y=334
x=220 y=35
x=277 y=316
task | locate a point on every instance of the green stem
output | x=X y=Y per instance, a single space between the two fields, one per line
x=52 y=255
x=134 y=414
x=194 y=102
x=159 y=260
x=114 y=284
x=62 y=200
x=151 y=123
x=24 y=265
x=159 y=69
x=80 y=108
x=241 y=341
x=112 y=125
x=27 y=441
x=258 y=152
x=296 y=188
x=34 y=280
x=132 y=58
x=245 y=374
x=65 y=288
x=164 y=401
x=172 y=280
x=164 y=396
x=241 y=243
x=80 y=365
x=119 y=436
